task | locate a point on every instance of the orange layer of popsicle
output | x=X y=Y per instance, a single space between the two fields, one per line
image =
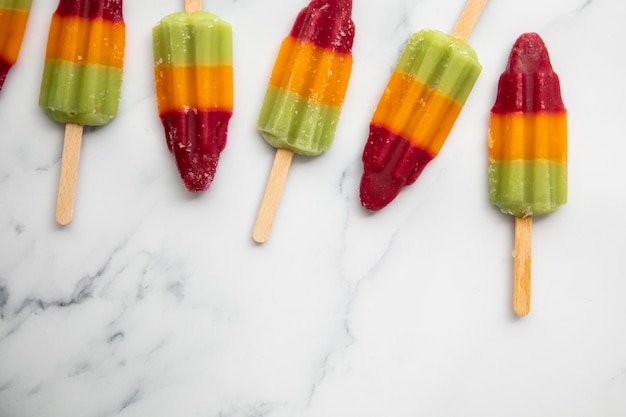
x=12 y=22
x=13 y=19
x=298 y=76
x=530 y=136
x=190 y=80
x=425 y=129
x=93 y=48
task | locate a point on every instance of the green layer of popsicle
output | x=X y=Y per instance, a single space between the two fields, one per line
x=519 y=187
x=285 y=116
x=15 y=4
x=77 y=93
x=442 y=62
x=178 y=34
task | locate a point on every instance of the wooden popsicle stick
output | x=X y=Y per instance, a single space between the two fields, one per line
x=69 y=173
x=271 y=197
x=192 y=6
x=522 y=265
x=468 y=19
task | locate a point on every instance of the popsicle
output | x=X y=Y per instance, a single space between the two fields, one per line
x=194 y=84
x=13 y=18
x=423 y=98
x=305 y=94
x=527 y=150
x=82 y=79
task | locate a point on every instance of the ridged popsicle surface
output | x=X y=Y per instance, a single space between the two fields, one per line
x=423 y=98
x=194 y=82
x=310 y=78
x=528 y=134
x=13 y=19
x=83 y=69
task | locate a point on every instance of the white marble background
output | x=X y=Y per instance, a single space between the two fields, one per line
x=156 y=303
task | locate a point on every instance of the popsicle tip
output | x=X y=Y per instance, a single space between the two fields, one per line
x=529 y=55
x=529 y=83
x=196 y=167
x=197 y=183
x=345 y=5
x=377 y=191
x=327 y=24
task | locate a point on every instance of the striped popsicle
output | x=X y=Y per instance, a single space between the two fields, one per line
x=305 y=94
x=528 y=134
x=422 y=100
x=309 y=80
x=194 y=84
x=84 y=62
x=527 y=150
x=13 y=19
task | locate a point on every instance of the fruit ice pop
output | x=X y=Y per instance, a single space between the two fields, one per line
x=194 y=84
x=13 y=19
x=82 y=78
x=309 y=80
x=527 y=149
x=423 y=98
x=84 y=62
x=306 y=91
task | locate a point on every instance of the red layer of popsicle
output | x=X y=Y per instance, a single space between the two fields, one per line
x=391 y=162
x=327 y=24
x=4 y=69
x=516 y=93
x=203 y=131
x=103 y=9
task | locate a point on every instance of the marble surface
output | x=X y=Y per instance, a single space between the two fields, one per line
x=154 y=302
